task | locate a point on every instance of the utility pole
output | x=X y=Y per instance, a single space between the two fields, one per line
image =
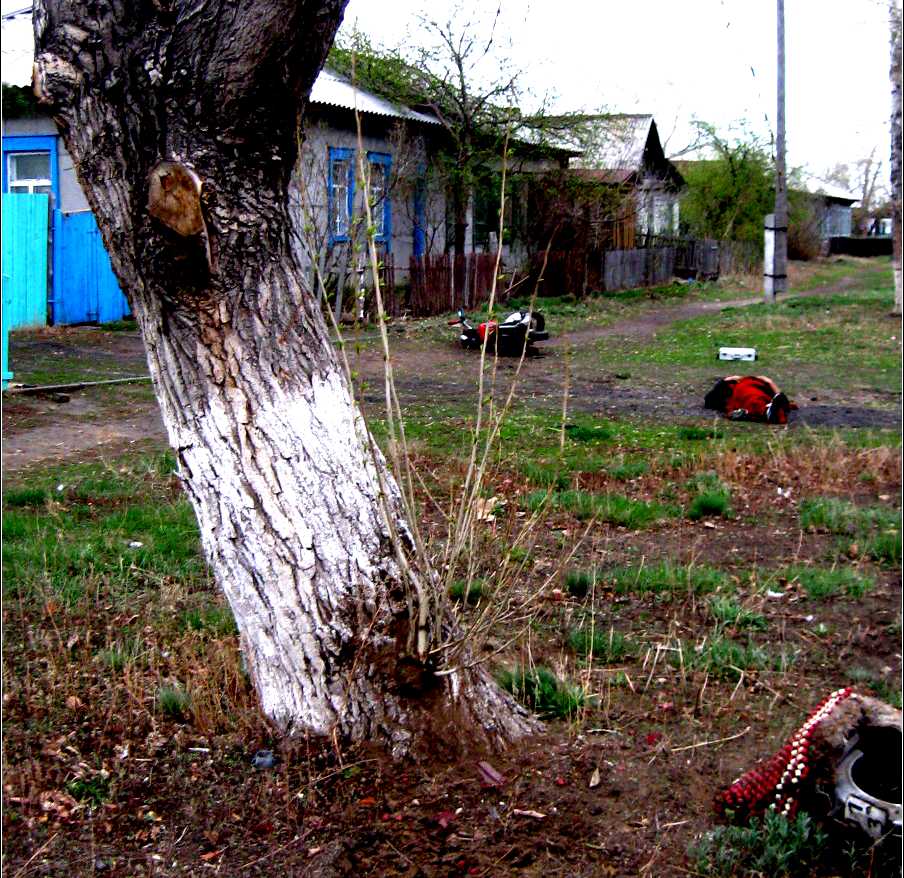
x=775 y=261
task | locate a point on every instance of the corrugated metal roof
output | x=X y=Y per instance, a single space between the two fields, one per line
x=333 y=90
x=621 y=140
x=815 y=186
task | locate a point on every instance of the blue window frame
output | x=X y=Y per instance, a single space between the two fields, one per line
x=341 y=182
x=379 y=165
x=340 y=192
x=26 y=160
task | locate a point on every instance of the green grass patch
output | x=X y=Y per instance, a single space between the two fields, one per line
x=777 y=847
x=698 y=434
x=712 y=498
x=666 y=578
x=724 y=658
x=544 y=693
x=588 y=433
x=821 y=583
x=624 y=472
x=608 y=508
x=125 y=652
x=605 y=646
x=467 y=591
x=93 y=791
x=122 y=524
x=19 y=498
x=174 y=702
x=727 y=611
x=873 y=531
x=214 y=620
x=579 y=582
x=546 y=475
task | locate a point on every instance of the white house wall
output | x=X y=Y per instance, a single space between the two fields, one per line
x=310 y=195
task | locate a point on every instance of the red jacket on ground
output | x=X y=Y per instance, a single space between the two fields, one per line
x=749 y=398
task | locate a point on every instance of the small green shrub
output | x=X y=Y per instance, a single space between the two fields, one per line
x=776 y=847
x=540 y=690
x=465 y=591
x=606 y=647
x=174 y=702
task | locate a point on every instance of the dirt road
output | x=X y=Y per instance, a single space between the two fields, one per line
x=37 y=430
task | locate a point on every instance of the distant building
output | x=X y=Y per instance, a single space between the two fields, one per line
x=832 y=205
x=626 y=152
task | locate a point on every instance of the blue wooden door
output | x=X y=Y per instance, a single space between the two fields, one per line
x=25 y=220
x=85 y=290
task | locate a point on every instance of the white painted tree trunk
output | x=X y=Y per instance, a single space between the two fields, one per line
x=183 y=124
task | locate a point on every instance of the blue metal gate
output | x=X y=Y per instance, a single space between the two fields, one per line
x=85 y=290
x=25 y=220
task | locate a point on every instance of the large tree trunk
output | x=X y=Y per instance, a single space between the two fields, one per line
x=896 y=231
x=183 y=121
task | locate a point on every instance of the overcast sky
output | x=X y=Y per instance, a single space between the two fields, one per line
x=707 y=59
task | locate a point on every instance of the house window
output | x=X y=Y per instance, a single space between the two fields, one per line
x=341 y=186
x=378 y=168
x=29 y=172
x=340 y=191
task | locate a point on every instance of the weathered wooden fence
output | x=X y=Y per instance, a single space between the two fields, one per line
x=440 y=284
x=625 y=269
x=656 y=262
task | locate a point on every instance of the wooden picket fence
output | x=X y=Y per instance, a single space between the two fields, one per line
x=439 y=284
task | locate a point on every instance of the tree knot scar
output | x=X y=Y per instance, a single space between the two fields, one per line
x=174 y=198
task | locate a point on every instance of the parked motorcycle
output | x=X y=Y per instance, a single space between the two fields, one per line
x=508 y=337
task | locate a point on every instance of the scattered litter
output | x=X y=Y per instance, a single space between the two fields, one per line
x=485 y=508
x=535 y=814
x=135 y=544
x=595 y=778
x=263 y=759
x=783 y=492
x=60 y=488
x=775 y=594
x=744 y=354
x=444 y=818
x=489 y=775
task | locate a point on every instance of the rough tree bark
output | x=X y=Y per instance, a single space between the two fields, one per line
x=896 y=231
x=183 y=119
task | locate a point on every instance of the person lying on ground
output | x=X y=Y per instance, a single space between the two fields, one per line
x=749 y=398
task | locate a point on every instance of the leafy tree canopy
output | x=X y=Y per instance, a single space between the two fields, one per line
x=729 y=194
